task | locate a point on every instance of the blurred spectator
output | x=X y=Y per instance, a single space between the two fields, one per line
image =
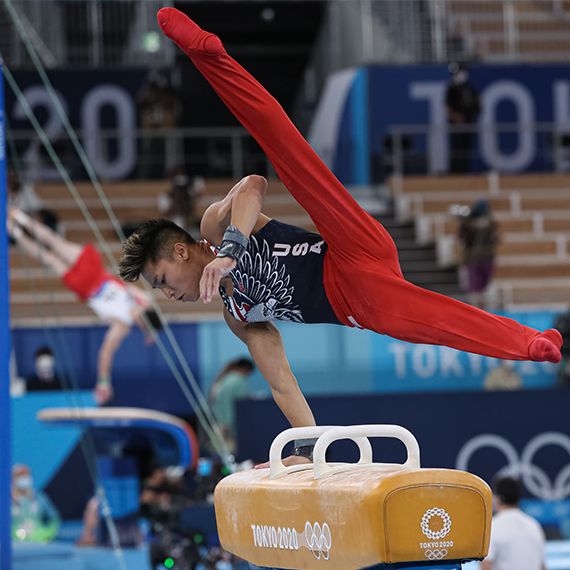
x=162 y=490
x=45 y=377
x=562 y=324
x=158 y=104
x=179 y=204
x=91 y=521
x=95 y=531
x=164 y=499
x=34 y=518
x=503 y=377
x=463 y=107
x=479 y=236
x=230 y=385
x=517 y=540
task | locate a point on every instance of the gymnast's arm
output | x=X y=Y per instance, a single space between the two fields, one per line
x=240 y=208
x=111 y=342
x=265 y=345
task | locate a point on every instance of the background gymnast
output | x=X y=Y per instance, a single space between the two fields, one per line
x=82 y=271
x=264 y=270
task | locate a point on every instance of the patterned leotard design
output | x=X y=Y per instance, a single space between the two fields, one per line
x=280 y=278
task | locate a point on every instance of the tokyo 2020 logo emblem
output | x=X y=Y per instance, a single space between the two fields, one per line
x=427 y=527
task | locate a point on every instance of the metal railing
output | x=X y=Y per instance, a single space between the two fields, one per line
x=86 y=34
x=506 y=31
x=219 y=152
x=359 y=32
x=500 y=147
x=124 y=33
x=408 y=32
x=117 y=154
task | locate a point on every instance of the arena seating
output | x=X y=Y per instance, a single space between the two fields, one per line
x=38 y=298
x=533 y=212
x=537 y=31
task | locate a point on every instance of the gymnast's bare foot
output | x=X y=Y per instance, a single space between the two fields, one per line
x=546 y=347
x=187 y=35
x=291 y=460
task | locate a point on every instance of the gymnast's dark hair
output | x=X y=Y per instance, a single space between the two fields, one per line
x=154 y=240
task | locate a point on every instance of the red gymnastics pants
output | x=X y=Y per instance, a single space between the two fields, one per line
x=362 y=275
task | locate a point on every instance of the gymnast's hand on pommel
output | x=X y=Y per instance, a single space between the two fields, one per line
x=291 y=460
x=213 y=273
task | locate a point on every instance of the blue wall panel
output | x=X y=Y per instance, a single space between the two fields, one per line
x=350 y=376
x=326 y=359
x=415 y=95
x=401 y=366
x=329 y=359
x=43 y=449
x=509 y=94
x=141 y=376
x=526 y=432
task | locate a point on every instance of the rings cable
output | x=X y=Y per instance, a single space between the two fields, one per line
x=68 y=377
x=198 y=403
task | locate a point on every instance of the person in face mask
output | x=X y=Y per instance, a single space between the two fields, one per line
x=34 y=518
x=463 y=106
x=45 y=376
x=22 y=483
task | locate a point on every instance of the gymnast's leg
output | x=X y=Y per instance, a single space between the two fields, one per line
x=407 y=312
x=356 y=239
x=338 y=217
x=37 y=251
x=66 y=250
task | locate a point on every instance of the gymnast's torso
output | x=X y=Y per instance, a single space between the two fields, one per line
x=280 y=278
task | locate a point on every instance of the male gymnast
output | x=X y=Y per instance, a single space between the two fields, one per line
x=82 y=272
x=265 y=270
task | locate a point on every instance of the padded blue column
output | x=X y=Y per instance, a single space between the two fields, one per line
x=5 y=431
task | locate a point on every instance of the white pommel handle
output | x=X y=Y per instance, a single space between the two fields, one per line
x=321 y=467
x=276 y=467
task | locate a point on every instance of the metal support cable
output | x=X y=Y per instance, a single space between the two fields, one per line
x=71 y=387
x=39 y=44
x=203 y=411
x=206 y=416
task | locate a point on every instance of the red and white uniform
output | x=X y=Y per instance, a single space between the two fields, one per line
x=104 y=293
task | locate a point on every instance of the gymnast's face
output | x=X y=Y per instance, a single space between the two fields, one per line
x=178 y=276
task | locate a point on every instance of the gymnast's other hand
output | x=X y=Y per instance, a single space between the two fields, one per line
x=213 y=273
x=291 y=460
x=103 y=393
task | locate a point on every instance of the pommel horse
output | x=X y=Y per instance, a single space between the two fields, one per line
x=350 y=516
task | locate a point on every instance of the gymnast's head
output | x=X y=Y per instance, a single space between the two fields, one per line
x=168 y=257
